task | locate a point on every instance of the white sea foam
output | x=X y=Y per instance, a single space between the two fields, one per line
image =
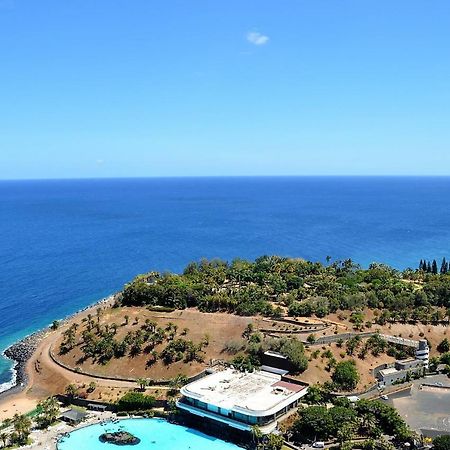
x=12 y=381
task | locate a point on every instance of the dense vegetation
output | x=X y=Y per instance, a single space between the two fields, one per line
x=344 y=421
x=441 y=442
x=345 y=376
x=257 y=344
x=306 y=288
x=15 y=432
x=135 y=401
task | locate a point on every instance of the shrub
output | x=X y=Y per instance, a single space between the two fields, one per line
x=135 y=401
x=345 y=375
x=233 y=347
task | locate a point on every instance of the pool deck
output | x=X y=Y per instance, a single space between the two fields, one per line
x=47 y=439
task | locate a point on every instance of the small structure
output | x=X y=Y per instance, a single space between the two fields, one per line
x=423 y=352
x=276 y=363
x=402 y=370
x=73 y=416
x=407 y=364
x=97 y=407
x=241 y=400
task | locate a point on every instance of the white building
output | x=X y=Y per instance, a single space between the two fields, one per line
x=241 y=400
x=423 y=352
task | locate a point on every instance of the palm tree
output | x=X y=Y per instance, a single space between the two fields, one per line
x=178 y=381
x=49 y=412
x=71 y=390
x=142 y=382
x=22 y=426
x=256 y=434
x=4 y=438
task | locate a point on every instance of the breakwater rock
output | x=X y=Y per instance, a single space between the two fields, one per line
x=20 y=353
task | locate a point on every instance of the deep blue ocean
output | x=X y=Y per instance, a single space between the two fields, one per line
x=65 y=244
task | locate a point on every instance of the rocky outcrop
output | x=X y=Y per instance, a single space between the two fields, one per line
x=119 y=438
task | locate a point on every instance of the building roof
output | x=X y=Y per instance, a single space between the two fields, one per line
x=274 y=370
x=274 y=354
x=389 y=371
x=258 y=393
x=73 y=415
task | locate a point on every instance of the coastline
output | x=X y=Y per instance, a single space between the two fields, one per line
x=21 y=351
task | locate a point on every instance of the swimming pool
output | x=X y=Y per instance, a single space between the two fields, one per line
x=157 y=434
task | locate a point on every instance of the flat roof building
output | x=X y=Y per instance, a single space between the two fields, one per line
x=401 y=372
x=241 y=400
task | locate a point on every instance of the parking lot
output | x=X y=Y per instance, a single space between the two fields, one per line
x=427 y=407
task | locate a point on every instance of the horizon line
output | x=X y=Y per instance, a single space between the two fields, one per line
x=223 y=176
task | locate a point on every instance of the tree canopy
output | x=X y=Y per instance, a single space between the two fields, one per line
x=304 y=287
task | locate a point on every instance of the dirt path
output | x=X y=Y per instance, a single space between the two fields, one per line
x=46 y=378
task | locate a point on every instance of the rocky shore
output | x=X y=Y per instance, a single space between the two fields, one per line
x=21 y=351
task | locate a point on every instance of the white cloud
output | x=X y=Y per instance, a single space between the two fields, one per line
x=256 y=38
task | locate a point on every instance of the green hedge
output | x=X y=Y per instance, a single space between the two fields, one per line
x=135 y=401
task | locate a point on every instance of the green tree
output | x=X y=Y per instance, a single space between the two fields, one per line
x=142 y=383
x=256 y=434
x=345 y=376
x=71 y=390
x=293 y=350
x=443 y=346
x=274 y=442
x=434 y=268
x=4 y=438
x=134 y=401
x=316 y=395
x=441 y=442
x=345 y=432
x=48 y=412
x=22 y=428
x=313 y=423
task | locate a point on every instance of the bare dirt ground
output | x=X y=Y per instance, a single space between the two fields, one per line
x=434 y=333
x=47 y=378
x=316 y=371
x=218 y=327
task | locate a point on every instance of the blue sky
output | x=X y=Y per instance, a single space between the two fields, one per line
x=184 y=88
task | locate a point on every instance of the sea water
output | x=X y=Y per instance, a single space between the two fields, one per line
x=65 y=244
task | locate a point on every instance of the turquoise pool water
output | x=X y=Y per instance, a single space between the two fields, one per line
x=155 y=434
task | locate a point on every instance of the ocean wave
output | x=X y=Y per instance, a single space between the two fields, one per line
x=12 y=381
